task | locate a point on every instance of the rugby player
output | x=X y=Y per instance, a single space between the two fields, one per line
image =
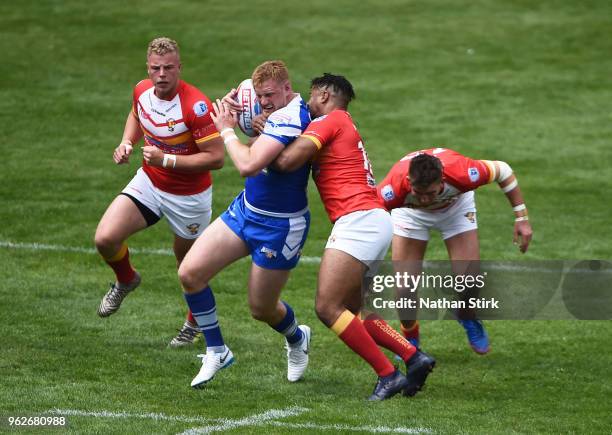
x=361 y=235
x=181 y=146
x=434 y=189
x=269 y=220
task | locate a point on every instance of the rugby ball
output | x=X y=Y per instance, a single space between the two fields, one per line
x=246 y=97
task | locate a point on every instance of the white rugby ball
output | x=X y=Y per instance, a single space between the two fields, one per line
x=250 y=107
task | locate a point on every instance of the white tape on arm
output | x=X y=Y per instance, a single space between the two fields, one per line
x=167 y=158
x=510 y=186
x=505 y=171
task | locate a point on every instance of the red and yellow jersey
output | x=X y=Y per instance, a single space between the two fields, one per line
x=175 y=126
x=460 y=174
x=341 y=170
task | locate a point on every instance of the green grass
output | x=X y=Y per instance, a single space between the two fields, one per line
x=519 y=81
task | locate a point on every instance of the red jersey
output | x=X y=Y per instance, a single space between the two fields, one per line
x=175 y=126
x=341 y=170
x=460 y=174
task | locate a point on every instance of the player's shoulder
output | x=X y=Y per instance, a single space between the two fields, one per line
x=142 y=86
x=193 y=99
x=295 y=113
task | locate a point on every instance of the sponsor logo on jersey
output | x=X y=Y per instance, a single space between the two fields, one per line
x=474 y=174
x=471 y=216
x=200 y=108
x=387 y=192
x=193 y=228
x=171 y=124
x=269 y=253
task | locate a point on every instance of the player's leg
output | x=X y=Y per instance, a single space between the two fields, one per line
x=464 y=252
x=124 y=217
x=410 y=236
x=216 y=248
x=277 y=243
x=340 y=278
x=407 y=255
x=460 y=233
x=265 y=287
x=188 y=333
x=188 y=216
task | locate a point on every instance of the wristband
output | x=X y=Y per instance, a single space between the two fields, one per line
x=519 y=207
x=226 y=130
x=521 y=219
x=227 y=140
x=168 y=157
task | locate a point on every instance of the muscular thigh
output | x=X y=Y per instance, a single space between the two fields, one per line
x=216 y=248
x=121 y=219
x=339 y=284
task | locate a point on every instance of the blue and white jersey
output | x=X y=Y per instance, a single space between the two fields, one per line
x=281 y=194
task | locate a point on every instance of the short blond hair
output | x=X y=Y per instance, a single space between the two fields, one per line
x=272 y=69
x=162 y=46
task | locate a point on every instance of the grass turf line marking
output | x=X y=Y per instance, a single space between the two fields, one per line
x=149 y=416
x=308 y=260
x=63 y=248
x=254 y=420
x=223 y=424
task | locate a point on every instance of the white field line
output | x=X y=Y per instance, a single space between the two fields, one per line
x=344 y=427
x=308 y=260
x=63 y=248
x=253 y=420
x=126 y=415
x=268 y=418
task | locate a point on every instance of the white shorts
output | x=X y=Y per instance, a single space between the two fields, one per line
x=456 y=219
x=365 y=235
x=188 y=215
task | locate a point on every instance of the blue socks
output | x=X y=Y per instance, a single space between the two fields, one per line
x=289 y=327
x=204 y=310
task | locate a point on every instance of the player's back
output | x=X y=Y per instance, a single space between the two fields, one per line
x=281 y=193
x=342 y=170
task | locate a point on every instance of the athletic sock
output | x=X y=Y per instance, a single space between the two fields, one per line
x=202 y=305
x=190 y=317
x=412 y=332
x=120 y=263
x=384 y=335
x=289 y=327
x=349 y=329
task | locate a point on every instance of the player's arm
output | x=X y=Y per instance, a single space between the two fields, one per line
x=296 y=155
x=210 y=157
x=249 y=160
x=502 y=173
x=132 y=133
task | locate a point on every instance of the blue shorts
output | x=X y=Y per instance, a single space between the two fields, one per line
x=274 y=242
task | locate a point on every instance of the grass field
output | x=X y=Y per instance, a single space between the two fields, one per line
x=526 y=82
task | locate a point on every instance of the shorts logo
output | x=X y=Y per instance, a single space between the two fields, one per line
x=474 y=174
x=387 y=192
x=269 y=253
x=200 y=108
x=332 y=238
x=471 y=216
x=171 y=124
x=193 y=228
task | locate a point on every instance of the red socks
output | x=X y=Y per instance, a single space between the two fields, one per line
x=349 y=329
x=384 y=335
x=120 y=263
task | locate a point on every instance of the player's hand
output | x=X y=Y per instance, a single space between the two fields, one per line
x=259 y=122
x=222 y=116
x=153 y=156
x=122 y=153
x=230 y=101
x=522 y=235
